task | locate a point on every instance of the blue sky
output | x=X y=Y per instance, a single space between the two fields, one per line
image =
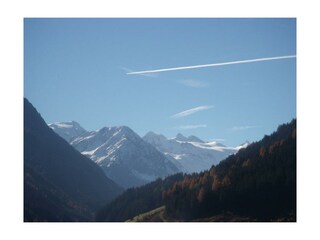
x=75 y=69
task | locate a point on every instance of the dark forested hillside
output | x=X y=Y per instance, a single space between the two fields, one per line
x=45 y=202
x=137 y=200
x=256 y=184
x=60 y=184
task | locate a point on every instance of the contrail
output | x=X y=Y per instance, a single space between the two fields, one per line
x=190 y=111
x=213 y=64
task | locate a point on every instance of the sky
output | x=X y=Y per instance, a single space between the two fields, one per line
x=76 y=69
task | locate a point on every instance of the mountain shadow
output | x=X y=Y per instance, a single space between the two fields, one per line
x=60 y=184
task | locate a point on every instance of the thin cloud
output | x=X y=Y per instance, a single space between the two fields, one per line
x=193 y=83
x=185 y=127
x=241 y=128
x=191 y=111
x=213 y=64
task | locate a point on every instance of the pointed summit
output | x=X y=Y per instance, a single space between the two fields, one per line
x=67 y=130
x=180 y=137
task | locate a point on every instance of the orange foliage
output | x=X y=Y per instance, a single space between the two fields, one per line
x=262 y=152
x=215 y=184
x=226 y=181
x=246 y=163
x=201 y=194
x=204 y=179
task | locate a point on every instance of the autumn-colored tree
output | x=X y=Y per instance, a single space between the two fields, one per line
x=262 y=152
x=201 y=195
x=192 y=183
x=204 y=179
x=226 y=181
x=246 y=163
x=212 y=172
x=215 y=184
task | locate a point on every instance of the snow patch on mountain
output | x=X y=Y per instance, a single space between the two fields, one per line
x=191 y=153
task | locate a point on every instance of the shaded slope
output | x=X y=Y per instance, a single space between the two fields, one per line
x=45 y=202
x=50 y=161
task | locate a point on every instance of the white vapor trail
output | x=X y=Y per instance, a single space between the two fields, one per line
x=190 y=111
x=213 y=64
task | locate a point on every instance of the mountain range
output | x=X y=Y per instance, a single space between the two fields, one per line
x=191 y=153
x=131 y=161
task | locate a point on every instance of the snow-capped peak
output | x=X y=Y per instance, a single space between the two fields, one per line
x=67 y=130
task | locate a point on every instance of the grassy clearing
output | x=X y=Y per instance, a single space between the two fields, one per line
x=155 y=215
